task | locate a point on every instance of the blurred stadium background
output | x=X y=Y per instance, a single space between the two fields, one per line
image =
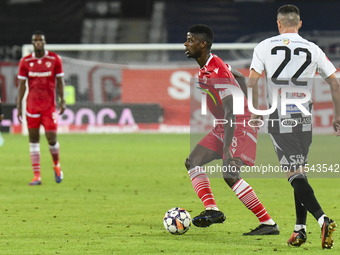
x=110 y=91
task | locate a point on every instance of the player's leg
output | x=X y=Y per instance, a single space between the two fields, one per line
x=201 y=155
x=248 y=197
x=286 y=146
x=34 y=148
x=53 y=146
x=327 y=225
x=243 y=148
x=50 y=123
x=292 y=151
x=305 y=193
x=299 y=235
x=33 y=125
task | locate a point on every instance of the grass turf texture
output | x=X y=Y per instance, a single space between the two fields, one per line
x=117 y=189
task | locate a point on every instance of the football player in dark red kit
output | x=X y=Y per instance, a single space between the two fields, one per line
x=43 y=71
x=236 y=143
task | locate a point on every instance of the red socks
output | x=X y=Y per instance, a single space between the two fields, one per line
x=201 y=184
x=35 y=158
x=248 y=197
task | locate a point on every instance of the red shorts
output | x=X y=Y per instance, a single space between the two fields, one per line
x=242 y=146
x=46 y=118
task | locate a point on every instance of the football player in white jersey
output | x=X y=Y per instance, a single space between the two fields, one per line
x=290 y=62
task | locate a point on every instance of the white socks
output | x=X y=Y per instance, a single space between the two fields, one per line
x=321 y=220
x=268 y=222
x=299 y=227
x=212 y=208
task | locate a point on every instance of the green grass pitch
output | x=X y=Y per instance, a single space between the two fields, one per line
x=117 y=189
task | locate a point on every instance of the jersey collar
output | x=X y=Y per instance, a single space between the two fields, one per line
x=206 y=64
x=33 y=54
x=291 y=34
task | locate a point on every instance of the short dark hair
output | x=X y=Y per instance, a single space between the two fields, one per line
x=205 y=33
x=289 y=8
x=38 y=32
x=289 y=15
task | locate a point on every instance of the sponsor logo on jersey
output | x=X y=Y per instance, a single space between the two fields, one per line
x=40 y=74
x=293 y=94
x=216 y=70
x=48 y=64
x=286 y=41
x=39 y=61
x=294 y=108
x=31 y=64
x=293 y=121
x=284 y=161
x=247 y=158
x=297 y=159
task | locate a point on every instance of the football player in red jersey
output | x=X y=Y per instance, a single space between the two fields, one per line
x=236 y=144
x=41 y=70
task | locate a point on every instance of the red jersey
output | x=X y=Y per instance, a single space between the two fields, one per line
x=215 y=71
x=41 y=74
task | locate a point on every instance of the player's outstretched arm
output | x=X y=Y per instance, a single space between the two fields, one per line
x=21 y=93
x=241 y=80
x=60 y=86
x=335 y=91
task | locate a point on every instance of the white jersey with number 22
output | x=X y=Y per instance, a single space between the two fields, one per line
x=290 y=61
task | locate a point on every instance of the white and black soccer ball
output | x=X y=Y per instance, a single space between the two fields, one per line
x=177 y=221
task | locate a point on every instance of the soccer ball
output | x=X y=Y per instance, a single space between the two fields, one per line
x=177 y=221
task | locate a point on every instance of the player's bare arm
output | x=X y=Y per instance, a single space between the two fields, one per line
x=21 y=93
x=62 y=104
x=335 y=91
x=253 y=83
x=241 y=80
